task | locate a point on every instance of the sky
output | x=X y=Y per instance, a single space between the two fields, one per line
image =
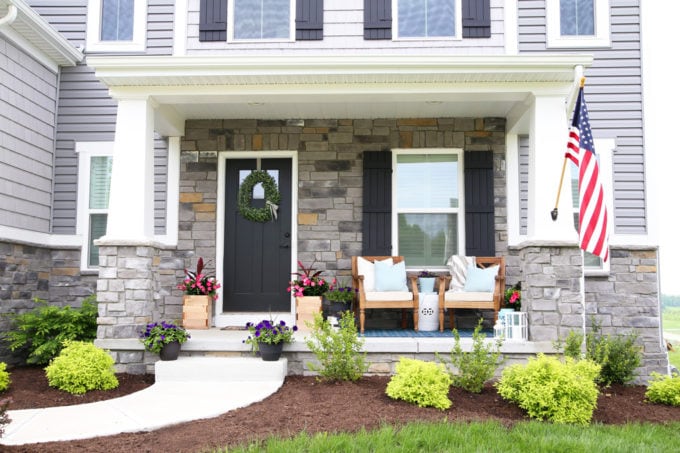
x=662 y=101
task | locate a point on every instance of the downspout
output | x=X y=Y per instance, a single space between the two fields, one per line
x=10 y=16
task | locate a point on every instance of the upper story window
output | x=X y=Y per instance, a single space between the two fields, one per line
x=578 y=23
x=427 y=18
x=116 y=25
x=255 y=20
x=427 y=217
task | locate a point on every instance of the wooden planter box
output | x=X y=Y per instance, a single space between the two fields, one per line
x=305 y=309
x=197 y=312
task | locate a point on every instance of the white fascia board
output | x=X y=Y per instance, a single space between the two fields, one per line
x=43 y=36
x=183 y=70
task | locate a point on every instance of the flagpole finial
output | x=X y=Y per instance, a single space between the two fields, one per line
x=583 y=82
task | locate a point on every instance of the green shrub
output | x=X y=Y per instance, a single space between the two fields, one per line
x=43 y=330
x=81 y=367
x=4 y=418
x=4 y=377
x=618 y=355
x=664 y=389
x=338 y=351
x=476 y=367
x=572 y=345
x=548 y=389
x=422 y=383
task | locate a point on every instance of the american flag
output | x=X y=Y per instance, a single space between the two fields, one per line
x=593 y=220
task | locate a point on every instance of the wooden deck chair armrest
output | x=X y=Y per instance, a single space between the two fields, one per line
x=414 y=287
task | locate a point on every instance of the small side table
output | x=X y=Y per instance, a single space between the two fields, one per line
x=428 y=312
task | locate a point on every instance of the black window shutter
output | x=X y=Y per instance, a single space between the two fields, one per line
x=377 y=198
x=377 y=19
x=309 y=20
x=213 y=20
x=479 y=204
x=476 y=18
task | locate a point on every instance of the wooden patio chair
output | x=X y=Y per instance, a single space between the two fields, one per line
x=369 y=298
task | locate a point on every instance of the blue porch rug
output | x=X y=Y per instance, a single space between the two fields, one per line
x=410 y=333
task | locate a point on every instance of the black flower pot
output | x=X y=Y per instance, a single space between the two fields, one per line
x=334 y=308
x=170 y=351
x=270 y=352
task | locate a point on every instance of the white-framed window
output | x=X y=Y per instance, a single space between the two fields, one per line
x=94 y=183
x=578 y=23
x=261 y=20
x=427 y=206
x=593 y=265
x=116 y=25
x=427 y=19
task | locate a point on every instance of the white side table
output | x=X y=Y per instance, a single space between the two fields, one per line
x=428 y=312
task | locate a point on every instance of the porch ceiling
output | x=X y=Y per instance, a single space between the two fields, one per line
x=368 y=86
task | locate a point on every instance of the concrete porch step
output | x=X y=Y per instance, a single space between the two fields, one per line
x=221 y=369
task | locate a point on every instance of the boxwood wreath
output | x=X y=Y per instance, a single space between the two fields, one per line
x=272 y=197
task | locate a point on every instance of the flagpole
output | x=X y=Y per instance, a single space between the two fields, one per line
x=554 y=212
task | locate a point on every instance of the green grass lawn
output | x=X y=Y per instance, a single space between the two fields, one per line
x=671 y=319
x=484 y=437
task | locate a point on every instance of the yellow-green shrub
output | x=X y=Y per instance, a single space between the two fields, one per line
x=4 y=377
x=420 y=382
x=548 y=389
x=81 y=367
x=664 y=389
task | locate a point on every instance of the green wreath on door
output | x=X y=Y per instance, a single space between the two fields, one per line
x=272 y=197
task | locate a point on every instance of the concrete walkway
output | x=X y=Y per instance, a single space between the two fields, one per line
x=187 y=389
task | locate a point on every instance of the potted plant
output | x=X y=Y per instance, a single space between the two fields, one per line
x=338 y=298
x=164 y=339
x=426 y=281
x=268 y=338
x=307 y=288
x=199 y=292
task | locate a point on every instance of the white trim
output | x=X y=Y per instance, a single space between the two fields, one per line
x=458 y=26
x=510 y=28
x=179 y=40
x=512 y=188
x=93 y=39
x=85 y=152
x=239 y=319
x=172 y=195
x=231 y=28
x=36 y=238
x=460 y=211
x=554 y=39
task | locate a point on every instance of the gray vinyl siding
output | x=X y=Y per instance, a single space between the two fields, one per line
x=523 y=183
x=159 y=27
x=343 y=33
x=27 y=107
x=614 y=96
x=88 y=114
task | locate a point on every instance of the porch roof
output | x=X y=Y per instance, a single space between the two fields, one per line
x=364 y=86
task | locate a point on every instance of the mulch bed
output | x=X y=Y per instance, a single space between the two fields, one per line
x=303 y=404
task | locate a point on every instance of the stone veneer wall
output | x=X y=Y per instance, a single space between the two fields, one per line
x=329 y=177
x=29 y=271
x=624 y=301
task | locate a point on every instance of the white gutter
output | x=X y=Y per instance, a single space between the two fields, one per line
x=10 y=16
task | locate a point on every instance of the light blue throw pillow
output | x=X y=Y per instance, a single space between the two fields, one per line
x=390 y=277
x=481 y=280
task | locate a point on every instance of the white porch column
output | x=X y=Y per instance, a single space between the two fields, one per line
x=131 y=208
x=548 y=140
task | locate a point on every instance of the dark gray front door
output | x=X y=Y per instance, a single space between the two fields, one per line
x=257 y=257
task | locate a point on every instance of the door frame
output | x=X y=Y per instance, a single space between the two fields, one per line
x=241 y=318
